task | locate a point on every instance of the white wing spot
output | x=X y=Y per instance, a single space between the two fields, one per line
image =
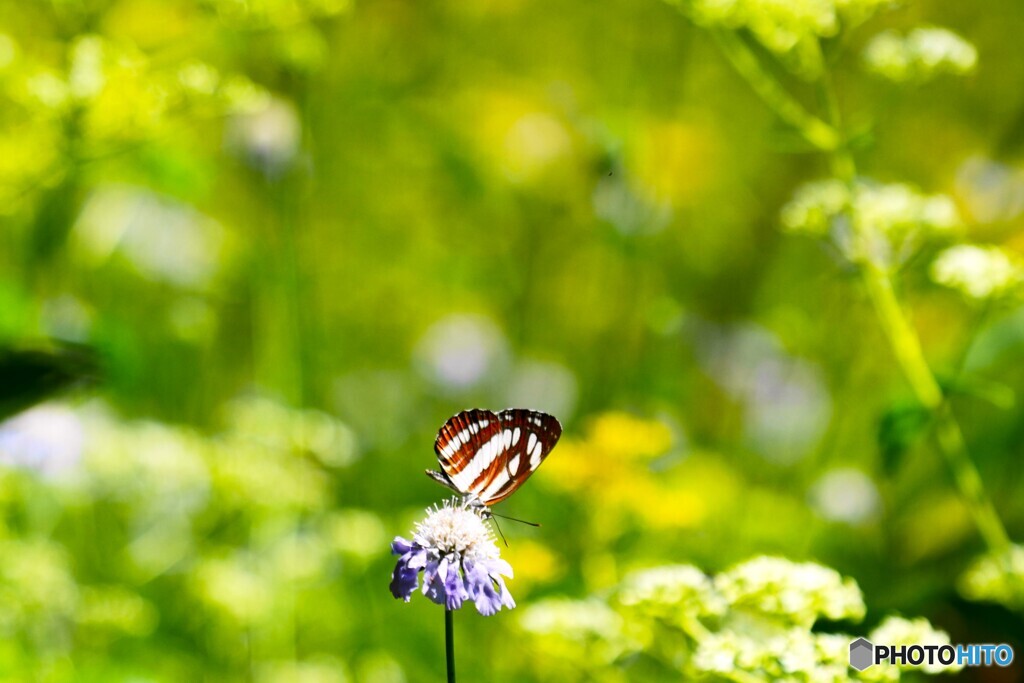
x=515 y=436
x=513 y=465
x=533 y=440
x=535 y=456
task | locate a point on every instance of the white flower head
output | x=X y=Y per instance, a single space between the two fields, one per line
x=791 y=29
x=792 y=654
x=797 y=592
x=997 y=578
x=454 y=529
x=977 y=272
x=814 y=206
x=872 y=221
x=921 y=55
x=675 y=587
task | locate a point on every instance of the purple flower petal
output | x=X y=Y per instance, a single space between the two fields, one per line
x=433 y=584
x=481 y=589
x=400 y=546
x=488 y=602
x=403 y=580
x=506 y=597
x=454 y=586
x=499 y=566
x=417 y=558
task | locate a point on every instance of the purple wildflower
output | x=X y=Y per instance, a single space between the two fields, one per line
x=456 y=552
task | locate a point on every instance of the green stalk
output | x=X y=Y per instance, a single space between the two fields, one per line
x=902 y=337
x=906 y=347
x=449 y=644
x=814 y=130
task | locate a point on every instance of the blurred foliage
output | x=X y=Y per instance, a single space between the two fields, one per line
x=299 y=234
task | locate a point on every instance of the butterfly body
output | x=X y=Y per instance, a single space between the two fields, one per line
x=486 y=456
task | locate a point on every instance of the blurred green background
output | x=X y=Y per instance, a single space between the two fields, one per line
x=300 y=234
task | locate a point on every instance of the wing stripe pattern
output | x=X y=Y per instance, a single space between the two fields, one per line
x=481 y=463
x=486 y=455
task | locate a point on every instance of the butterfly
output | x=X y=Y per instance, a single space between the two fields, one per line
x=486 y=456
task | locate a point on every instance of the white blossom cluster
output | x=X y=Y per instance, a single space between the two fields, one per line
x=751 y=622
x=997 y=578
x=672 y=590
x=796 y=592
x=795 y=655
x=978 y=272
x=790 y=29
x=921 y=55
x=880 y=222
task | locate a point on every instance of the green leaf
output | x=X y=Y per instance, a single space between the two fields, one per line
x=899 y=429
x=30 y=376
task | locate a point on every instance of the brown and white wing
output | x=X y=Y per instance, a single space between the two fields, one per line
x=489 y=456
x=466 y=446
x=527 y=437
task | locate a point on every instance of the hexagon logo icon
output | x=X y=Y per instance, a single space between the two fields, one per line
x=862 y=654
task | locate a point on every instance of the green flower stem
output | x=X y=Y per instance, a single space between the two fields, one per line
x=903 y=339
x=449 y=644
x=814 y=130
x=907 y=348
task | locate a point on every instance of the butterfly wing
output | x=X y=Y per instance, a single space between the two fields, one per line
x=528 y=437
x=466 y=446
x=490 y=456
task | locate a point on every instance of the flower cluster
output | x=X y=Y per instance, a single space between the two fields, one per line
x=997 y=578
x=797 y=592
x=458 y=557
x=671 y=591
x=881 y=222
x=977 y=272
x=922 y=54
x=755 y=621
x=791 y=30
x=794 y=654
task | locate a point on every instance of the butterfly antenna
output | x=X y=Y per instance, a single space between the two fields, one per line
x=513 y=519
x=498 y=527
